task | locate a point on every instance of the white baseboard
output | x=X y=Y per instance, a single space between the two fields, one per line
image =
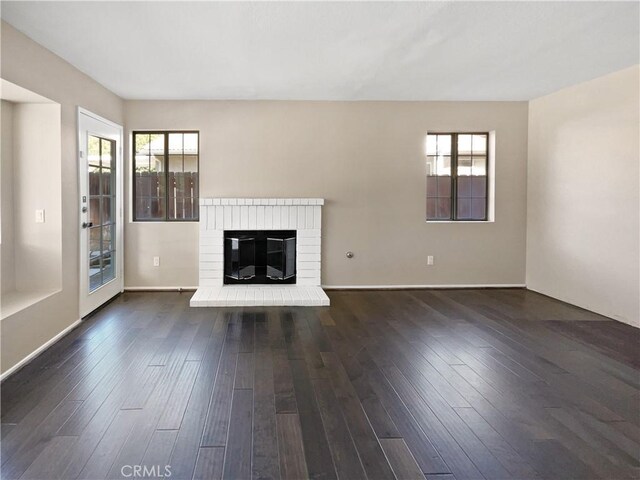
x=160 y=289
x=424 y=287
x=39 y=350
x=351 y=287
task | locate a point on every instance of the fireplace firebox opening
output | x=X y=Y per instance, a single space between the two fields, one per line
x=259 y=256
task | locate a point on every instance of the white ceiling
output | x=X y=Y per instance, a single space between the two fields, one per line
x=335 y=51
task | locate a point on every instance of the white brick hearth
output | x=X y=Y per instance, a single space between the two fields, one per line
x=219 y=214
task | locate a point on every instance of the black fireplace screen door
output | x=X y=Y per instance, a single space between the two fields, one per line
x=259 y=257
x=241 y=263
x=281 y=258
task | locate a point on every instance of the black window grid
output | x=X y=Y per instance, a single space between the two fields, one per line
x=164 y=196
x=453 y=215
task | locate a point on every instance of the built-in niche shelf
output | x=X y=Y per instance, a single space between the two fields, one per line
x=30 y=182
x=14 y=301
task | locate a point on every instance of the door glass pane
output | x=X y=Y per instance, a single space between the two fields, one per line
x=94 y=242
x=101 y=208
x=93 y=151
x=108 y=271
x=106 y=209
x=106 y=238
x=106 y=147
x=95 y=273
x=94 y=180
x=107 y=178
x=94 y=210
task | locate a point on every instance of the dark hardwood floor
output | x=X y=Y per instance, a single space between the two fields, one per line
x=442 y=385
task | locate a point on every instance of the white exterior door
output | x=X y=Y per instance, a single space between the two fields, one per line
x=100 y=167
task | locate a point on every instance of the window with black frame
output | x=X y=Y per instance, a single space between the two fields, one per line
x=165 y=176
x=457 y=179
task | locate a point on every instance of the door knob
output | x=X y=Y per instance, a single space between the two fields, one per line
x=87 y=224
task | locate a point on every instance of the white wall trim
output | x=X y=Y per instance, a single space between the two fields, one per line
x=39 y=350
x=418 y=287
x=353 y=287
x=159 y=289
x=95 y=116
x=91 y=123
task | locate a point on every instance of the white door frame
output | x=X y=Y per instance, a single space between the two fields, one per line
x=95 y=124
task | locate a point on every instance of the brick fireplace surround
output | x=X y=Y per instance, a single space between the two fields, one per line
x=304 y=215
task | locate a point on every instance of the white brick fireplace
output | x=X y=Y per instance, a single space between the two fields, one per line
x=304 y=215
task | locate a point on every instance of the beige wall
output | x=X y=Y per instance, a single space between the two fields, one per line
x=30 y=133
x=29 y=65
x=36 y=185
x=367 y=160
x=7 y=262
x=583 y=195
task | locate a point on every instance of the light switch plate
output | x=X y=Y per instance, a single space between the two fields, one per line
x=39 y=216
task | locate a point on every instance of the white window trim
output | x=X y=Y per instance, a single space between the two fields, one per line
x=491 y=199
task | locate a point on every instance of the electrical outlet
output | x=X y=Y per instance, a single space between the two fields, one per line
x=156 y=261
x=430 y=260
x=39 y=216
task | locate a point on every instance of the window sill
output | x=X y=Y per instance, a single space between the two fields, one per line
x=435 y=222
x=173 y=222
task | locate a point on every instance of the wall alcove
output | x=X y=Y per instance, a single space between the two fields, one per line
x=30 y=192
